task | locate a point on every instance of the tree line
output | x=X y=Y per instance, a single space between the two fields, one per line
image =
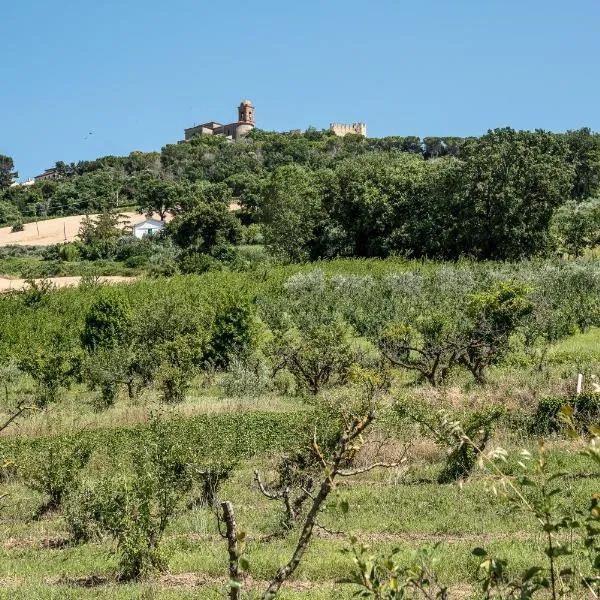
x=504 y=195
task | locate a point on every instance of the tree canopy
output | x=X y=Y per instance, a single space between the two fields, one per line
x=316 y=195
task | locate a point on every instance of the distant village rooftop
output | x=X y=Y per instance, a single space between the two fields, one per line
x=234 y=131
x=246 y=122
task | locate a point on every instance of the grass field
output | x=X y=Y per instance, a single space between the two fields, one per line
x=398 y=508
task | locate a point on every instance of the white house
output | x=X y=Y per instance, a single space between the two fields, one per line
x=148 y=227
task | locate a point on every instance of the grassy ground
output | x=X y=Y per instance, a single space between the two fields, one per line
x=399 y=508
x=383 y=510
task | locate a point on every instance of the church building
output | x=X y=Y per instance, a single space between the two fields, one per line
x=234 y=131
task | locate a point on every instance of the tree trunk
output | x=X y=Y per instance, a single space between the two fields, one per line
x=284 y=572
x=232 y=550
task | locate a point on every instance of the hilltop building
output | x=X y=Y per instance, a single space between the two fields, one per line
x=342 y=129
x=48 y=174
x=234 y=131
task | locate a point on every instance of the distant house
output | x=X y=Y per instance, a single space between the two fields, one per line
x=148 y=227
x=48 y=174
x=233 y=131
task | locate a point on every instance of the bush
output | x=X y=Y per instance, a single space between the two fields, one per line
x=233 y=330
x=17 y=226
x=52 y=468
x=246 y=378
x=69 y=252
x=252 y=234
x=107 y=322
x=135 y=508
x=88 y=509
x=162 y=267
x=191 y=261
x=317 y=356
x=547 y=417
x=461 y=460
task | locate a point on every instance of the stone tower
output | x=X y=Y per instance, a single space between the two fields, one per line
x=245 y=119
x=246 y=112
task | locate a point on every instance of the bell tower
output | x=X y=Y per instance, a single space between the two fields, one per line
x=246 y=112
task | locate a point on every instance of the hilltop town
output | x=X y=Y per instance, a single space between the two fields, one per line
x=232 y=131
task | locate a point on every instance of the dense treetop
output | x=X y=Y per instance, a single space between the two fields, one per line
x=504 y=195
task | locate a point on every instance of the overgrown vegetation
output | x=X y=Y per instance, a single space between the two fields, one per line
x=318 y=349
x=505 y=195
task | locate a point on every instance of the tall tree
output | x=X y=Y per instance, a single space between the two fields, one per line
x=291 y=210
x=584 y=155
x=576 y=226
x=209 y=229
x=510 y=184
x=7 y=172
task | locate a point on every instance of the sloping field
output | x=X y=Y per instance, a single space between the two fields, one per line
x=18 y=284
x=63 y=229
x=52 y=231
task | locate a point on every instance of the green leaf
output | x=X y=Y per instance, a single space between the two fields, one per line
x=532 y=572
x=244 y=564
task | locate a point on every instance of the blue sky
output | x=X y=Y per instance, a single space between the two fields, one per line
x=136 y=72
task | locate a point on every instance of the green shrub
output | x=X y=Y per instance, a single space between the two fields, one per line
x=190 y=261
x=17 y=226
x=246 y=377
x=316 y=356
x=52 y=467
x=234 y=329
x=69 y=252
x=87 y=509
x=478 y=427
x=135 y=507
x=136 y=262
x=547 y=417
x=107 y=322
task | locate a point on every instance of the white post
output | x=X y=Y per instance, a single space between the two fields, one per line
x=579 y=383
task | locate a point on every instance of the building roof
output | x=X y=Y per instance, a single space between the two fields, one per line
x=246 y=102
x=146 y=222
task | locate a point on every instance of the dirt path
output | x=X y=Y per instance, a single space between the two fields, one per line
x=7 y=285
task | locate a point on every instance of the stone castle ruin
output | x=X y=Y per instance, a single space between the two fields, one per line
x=342 y=129
x=246 y=123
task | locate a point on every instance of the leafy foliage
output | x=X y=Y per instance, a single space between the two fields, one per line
x=52 y=467
x=548 y=417
x=136 y=508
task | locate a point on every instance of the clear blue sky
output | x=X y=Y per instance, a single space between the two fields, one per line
x=136 y=72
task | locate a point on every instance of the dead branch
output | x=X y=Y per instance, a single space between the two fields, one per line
x=273 y=495
x=329 y=531
x=370 y=468
x=292 y=506
x=19 y=410
x=351 y=432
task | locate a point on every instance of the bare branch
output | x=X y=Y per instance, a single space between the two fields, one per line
x=351 y=432
x=370 y=468
x=274 y=495
x=19 y=410
x=317 y=450
x=329 y=531
x=307 y=494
